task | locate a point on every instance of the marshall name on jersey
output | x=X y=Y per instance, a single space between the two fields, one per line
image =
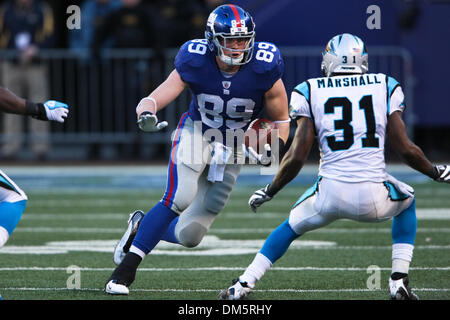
x=222 y=101
x=350 y=117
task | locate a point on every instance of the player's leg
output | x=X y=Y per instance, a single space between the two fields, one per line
x=306 y=215
x=12 y=204
x=211 y=198
x=404 y=227
x=389 y=202
x=180 y=192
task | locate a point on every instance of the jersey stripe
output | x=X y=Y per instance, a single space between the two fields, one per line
x=172 y=179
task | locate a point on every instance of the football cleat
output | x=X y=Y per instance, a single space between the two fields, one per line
x=400 y=290
x=124 y=244
x=115 y=287
x=238 y=291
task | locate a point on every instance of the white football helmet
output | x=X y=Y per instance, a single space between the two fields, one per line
x=345 y=53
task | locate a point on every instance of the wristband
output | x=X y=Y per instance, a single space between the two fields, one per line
x=35 y=110
x=152 y=100
x=271 y=191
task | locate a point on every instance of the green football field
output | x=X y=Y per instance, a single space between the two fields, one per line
x=62 y=247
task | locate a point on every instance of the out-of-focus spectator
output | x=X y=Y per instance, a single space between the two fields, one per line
x=93 y=13
x=128 y=27
x=178 y=21
x=210 y=5
x=26 y=26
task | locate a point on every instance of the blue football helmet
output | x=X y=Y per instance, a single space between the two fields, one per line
x=228 y=22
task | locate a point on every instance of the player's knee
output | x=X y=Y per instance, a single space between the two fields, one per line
x=191 y=235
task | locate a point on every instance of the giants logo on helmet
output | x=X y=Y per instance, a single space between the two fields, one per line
x=237 y=28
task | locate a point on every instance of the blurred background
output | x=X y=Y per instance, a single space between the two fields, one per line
x=118 y=51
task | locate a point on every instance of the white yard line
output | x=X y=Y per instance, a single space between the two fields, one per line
x=351 y=269
x=223 y=230
x=422 y=214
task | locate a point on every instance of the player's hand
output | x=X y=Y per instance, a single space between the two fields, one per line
x=56 y=111
x=264 y=159
x=401 y=186
x=149 y=122
x=258 y=198
x=443 y=173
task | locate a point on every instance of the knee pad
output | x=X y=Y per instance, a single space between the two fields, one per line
x=217 y=196
x=191 y=235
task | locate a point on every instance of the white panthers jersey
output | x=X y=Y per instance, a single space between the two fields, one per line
x=350 y=117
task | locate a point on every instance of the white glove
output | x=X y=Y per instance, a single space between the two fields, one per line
x=149 y=122
x=443 y=173
x=401 y=186
x=255 y=157
x=258 y=198
x=56 y=111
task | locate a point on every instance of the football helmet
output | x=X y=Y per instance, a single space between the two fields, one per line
x=228 y=22
x=345 y=53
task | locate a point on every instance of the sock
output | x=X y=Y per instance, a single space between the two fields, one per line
x=256 y=270
x=152 y=227
x=169 y=235
x=10 y=214
x=404 y=225
x=137 y=251
x=402 y=254
x=125 y=273
x=278 y=241
x=274 y=247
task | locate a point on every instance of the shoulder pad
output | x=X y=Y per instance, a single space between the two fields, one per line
x=391 y=85
x=192 y=53
x=303 y=89
x=267 y=57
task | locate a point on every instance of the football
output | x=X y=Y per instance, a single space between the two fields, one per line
x=259 y=133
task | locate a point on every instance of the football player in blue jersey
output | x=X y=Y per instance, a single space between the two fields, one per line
x=233 y=79
x=12 y=199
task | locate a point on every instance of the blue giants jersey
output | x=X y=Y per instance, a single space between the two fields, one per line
x=226 y=103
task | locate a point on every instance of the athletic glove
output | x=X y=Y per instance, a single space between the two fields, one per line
x=258 y=198
x=149 y=122
x=56 y=111
x=401 y=186
x=443 y=173
x=49 y=110
x=264 y=159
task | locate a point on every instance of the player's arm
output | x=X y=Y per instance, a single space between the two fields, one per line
x=295 y=157
x=10 y=103
x=411 y=154
x=164 y=94
x=49 y=110
x=291 y=164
